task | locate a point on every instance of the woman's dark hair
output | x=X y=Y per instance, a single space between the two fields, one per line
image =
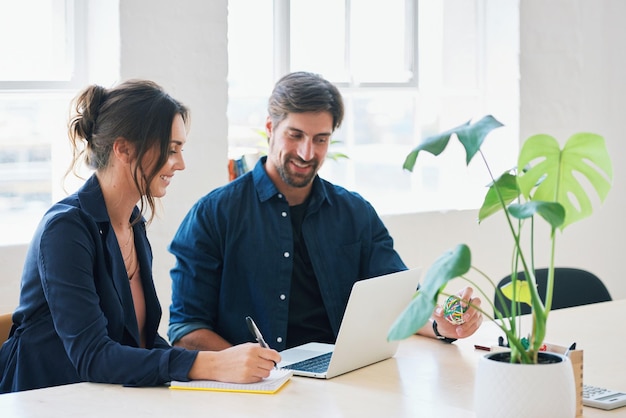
x=301 y=92
x=139 y=111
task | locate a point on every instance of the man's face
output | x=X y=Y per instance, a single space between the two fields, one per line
x=298 y=147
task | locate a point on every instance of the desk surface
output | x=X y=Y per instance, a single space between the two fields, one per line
x=425 y=378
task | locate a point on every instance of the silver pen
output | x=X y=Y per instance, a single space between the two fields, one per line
x=257 y=334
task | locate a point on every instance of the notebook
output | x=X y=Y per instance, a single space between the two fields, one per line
x=271 y=384
x=373 y=306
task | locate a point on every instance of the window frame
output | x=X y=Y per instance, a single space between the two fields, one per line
x=282 y=45
x=76 y=34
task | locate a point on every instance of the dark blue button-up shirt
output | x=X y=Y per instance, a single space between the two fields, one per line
x=234 y=257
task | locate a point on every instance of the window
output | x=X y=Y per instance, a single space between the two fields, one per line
x=43 y=67
x=406 y=69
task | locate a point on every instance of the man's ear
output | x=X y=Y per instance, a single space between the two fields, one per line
x=268 y=128
x=123 y=149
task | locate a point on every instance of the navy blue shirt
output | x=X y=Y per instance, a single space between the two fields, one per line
x=234 y=257
x=76 y=319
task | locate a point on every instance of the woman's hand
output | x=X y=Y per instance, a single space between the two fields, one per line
x=244 y=363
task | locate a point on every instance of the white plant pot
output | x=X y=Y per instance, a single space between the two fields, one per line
x=506 y=390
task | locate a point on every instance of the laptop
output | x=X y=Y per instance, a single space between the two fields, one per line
x=373 y=306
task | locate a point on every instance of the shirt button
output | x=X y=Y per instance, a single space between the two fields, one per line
x=284 y=214
x=283 y=297
x=279 y=339
x=280 y=195
x=286 y=254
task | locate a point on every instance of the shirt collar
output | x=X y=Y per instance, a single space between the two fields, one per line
x=92 y=201
x=266 y=189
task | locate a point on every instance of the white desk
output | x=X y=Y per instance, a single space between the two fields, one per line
x=425 y=379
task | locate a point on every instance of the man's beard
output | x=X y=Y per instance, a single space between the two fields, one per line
x=295 y=179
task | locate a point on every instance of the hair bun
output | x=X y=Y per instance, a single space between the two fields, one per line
x=87 y=108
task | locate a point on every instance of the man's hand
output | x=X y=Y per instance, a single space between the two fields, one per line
x=472 y=318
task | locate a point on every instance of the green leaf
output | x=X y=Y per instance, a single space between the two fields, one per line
x=335 y=156
x=522 y=291
x=470 y=136
x=553 y=177
x=434 y=144
x=452 y=264
x=552 y=212
x=507 y=186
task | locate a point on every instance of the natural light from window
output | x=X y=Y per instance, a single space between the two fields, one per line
x=406 y=69
x=43 y=67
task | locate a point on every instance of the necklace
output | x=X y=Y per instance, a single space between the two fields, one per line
x=130 y=260
x=130 y=234
x=132 y=267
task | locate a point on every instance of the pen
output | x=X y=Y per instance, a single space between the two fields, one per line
x=571 y=347
x=257 y=334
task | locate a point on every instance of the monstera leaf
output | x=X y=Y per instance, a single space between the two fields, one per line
x=504 y=188
x=471 y=137
x=554 y=177
x=520 y=289
x=453 y=263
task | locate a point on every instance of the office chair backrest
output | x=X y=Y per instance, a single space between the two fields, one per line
x=6 y=322
x=572 y=287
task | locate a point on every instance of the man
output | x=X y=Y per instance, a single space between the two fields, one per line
x=280 y=244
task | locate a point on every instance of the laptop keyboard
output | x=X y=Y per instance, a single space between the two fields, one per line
x=318 y=364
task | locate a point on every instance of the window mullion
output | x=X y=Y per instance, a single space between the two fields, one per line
x=412 y=41
x=348 y=49
x=282 y=38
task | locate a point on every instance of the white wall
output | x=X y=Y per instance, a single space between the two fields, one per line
x=571 y=80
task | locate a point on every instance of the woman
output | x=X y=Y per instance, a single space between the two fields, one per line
x=88 y=307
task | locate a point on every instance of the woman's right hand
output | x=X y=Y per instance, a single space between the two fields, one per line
x=244 y=363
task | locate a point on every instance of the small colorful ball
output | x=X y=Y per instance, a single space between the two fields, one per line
x=453 y=310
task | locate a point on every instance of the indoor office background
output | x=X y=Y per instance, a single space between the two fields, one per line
x=570 y=79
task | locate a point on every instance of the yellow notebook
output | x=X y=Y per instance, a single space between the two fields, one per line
x=271 y=384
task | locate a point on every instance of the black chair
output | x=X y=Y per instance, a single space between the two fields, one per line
x=572 y=287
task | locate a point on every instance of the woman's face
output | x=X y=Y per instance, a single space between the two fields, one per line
x=175 y=162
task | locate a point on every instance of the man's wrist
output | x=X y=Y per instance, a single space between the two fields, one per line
x=441 y=337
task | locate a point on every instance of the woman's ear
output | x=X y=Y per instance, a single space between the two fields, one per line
x=123 y=150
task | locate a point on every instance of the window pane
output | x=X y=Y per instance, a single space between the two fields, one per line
x=28 y=124
x=460 y=43
x=378 y=130
x=250 y=71
x=317 y=37
x=39 y=48
x=380 y=42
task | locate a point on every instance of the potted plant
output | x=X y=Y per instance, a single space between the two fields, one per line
x=544 y=186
